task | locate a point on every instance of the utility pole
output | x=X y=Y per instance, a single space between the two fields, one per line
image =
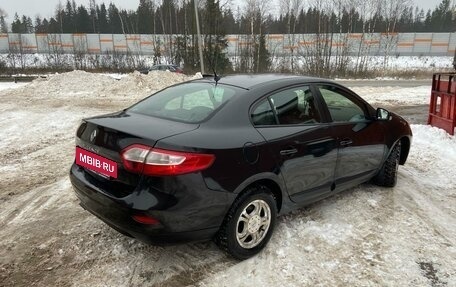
x=200 y=39
x=454 y=59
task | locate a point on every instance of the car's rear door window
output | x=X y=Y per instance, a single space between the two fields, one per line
x=263 y=114
x=293 y=106
x=189 y=102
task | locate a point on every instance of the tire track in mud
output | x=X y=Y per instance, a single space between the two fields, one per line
x=68 y=241
x=434 y=224
x=157 y=266
x=33 y=167
x=42 y=148
x=29 y=224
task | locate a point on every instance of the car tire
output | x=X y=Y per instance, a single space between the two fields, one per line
x=387 y=176
x=249 y=223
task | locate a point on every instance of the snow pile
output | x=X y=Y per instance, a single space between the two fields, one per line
x=394 y=95
x=139 y=84
x=434 y=164
x=80 y=84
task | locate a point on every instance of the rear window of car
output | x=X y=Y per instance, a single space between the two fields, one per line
x=189 y=102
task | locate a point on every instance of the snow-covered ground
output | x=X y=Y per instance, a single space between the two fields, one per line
x=391 y=63
x=11 y=85
x=366 y=236
x=408 y=62
x=376 y=63
x=395 y=96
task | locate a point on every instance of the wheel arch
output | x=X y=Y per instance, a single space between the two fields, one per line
x=405 y=148
x=272 y=182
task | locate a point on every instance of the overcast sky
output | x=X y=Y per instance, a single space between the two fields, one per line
x=46 y=8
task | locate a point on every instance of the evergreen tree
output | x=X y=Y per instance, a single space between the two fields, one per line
x=83 y=22
x=114 y=20
x=261 y=56
x=145 y=14
x=418 y=21
x=27 y=25
x=230 y=23
x=167 y=14
x=93 y=16
x=3 y=25
x=428 y=22
x=169 y=17
x=69 y=18
x=38 y=24
x=215 y=56
x=54 y=26
x=16 y=26
x=102 y=16
x=129 y=21
x=441 y=16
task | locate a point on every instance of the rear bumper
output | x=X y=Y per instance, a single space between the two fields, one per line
x=188 y=214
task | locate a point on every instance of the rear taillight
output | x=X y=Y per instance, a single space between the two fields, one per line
x=159 y=162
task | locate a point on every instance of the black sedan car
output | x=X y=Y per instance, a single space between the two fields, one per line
x=221 y=158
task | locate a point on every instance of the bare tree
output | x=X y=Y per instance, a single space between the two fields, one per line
x=256 y=12
x=291 y=9
x=80 y=52
x=391 y=11
x=334 y=46
x=371 y=8
x=16 y=57
x=170 y=36
x=59 y=14
x=316 y=49
x=56 y=58
x=93 y=14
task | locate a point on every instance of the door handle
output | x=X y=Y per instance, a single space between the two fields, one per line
x=288 y=151
x=346 y=142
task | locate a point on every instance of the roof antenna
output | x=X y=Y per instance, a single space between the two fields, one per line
x=216 y=77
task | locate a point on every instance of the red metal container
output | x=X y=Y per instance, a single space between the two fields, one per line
x=442 y=107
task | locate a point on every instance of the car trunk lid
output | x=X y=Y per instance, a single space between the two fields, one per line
x=100 y=141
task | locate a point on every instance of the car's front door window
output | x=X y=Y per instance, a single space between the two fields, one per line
x=340 y=106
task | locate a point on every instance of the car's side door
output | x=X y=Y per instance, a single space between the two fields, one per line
x=360 y=138
x=299 y=140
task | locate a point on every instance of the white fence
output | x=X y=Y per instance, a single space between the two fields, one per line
x=374 y=44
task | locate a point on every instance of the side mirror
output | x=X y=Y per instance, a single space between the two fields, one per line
x=383 y=115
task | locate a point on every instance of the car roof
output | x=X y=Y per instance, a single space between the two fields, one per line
x=250 y=81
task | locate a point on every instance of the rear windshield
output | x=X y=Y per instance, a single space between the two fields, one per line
x=190 y=102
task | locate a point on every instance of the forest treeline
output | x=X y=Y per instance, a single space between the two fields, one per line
x=177 y=17
x=328 y=53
